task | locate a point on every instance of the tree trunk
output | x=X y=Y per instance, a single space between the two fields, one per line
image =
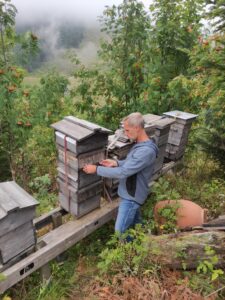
x=187 y=248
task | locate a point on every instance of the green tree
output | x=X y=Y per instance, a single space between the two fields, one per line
x=216 y=13
x=175 y=28
x=7 y=21
x=121 y=80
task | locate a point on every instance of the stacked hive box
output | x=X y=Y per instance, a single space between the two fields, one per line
x=17 y=234
x=158 y=128
x=179 y=132
x=79 y=142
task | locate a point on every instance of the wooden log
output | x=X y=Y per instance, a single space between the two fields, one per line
x=187 y=248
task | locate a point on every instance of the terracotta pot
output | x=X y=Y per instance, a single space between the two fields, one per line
x=188 y=214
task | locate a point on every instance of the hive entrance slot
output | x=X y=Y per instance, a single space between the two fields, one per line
x=26 y=269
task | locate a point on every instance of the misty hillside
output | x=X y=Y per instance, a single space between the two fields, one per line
x=57 y=39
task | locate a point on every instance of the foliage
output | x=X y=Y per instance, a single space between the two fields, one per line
x=208 y=266
x=175 y=27
x=127 y=258
x=217 y=13
x=122 y=78
x=168 y=214
x=27 y=43
x=7 y=21
x=13 y=132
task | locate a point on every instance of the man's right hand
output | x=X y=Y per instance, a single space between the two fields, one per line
x=108 y=163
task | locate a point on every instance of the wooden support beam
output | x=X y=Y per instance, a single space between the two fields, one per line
x=57 y=241
x=46 y=219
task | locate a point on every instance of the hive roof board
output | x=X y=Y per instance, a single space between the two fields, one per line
x=150 y=118
x=78 y=129
x=13 y=197
x=180 y=115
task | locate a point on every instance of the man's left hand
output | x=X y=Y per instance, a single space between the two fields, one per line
x=90 y=169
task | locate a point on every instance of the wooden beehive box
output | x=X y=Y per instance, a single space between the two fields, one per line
x=158 y=128
x=79 y=142
x=17 y=210
x=80 y=136
x=178 y=135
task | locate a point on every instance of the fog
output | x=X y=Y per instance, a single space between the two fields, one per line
x=79 y=11
x=62 y=25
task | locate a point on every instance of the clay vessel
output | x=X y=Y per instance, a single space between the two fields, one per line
x=188 y=214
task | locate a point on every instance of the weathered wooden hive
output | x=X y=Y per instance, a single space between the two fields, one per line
x=178 y=135
x=17 y=210
x=79 y=142
x=158 y=128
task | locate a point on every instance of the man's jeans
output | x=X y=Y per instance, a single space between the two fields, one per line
x=128 y=215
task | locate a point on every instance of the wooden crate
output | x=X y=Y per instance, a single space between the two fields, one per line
x=17 y=210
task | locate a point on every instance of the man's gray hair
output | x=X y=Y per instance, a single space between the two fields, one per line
x=135 y=119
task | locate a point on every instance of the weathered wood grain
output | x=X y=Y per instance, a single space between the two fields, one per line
x=81 y=194
x=87 y=124
x=56 y=242
x=74 y=131
x=78 y=179
x=15 y=219
x=180 y=116
x=98 y=141
x=82 y=208
x=16 y=241
x=78 y=162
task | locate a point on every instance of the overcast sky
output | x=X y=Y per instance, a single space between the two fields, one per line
x=77 y=10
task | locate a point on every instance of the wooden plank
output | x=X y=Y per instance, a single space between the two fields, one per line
x=82 y=208
x=72 y=130
x=80 y=181
x=46 y=219
x=150 y=119
x=16 y=241
x=6 y=203
x=15 y=219
x=3 y=213
x=87 y=124
x=18 y=194
x=78 y=162
x=97 y=141
x=181 y=116
x=81 y=194
x=56 y=242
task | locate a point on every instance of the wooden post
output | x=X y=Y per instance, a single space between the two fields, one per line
x=57 y=221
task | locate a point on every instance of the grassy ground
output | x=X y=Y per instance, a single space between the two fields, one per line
x=78 y=277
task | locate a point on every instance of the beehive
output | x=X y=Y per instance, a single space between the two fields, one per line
x=158 y=128
x=17 y=210
x=178 y=135
x=79 y=142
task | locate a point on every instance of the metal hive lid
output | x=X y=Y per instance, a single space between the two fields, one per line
x=78 y=129
x=13 y=197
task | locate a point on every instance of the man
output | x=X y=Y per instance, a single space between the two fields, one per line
x=134 y=172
